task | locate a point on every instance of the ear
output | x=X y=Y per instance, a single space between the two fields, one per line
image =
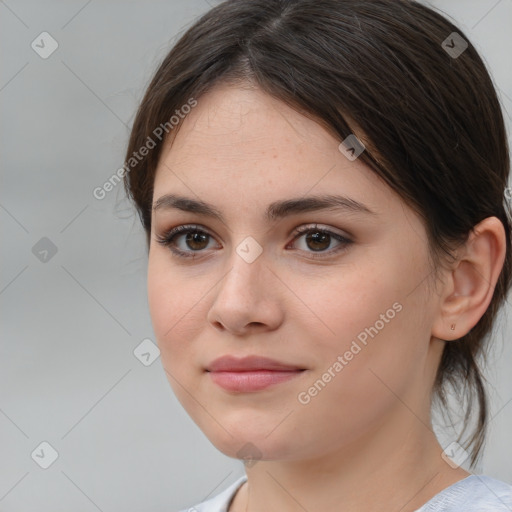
x=469 y=286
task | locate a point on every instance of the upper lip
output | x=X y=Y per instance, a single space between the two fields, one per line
x=248 y=363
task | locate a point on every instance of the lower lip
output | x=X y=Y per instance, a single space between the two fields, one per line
x=252 y=380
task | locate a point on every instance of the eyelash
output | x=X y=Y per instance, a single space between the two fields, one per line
x=167 y=240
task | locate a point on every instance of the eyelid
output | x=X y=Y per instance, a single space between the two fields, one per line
x=315 y=225
x=167 y=238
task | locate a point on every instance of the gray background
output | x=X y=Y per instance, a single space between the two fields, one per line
x=70 y=324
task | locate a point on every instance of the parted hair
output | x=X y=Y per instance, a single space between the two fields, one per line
x=431 y=122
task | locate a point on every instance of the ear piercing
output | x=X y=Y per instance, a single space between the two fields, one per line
x=452 y=327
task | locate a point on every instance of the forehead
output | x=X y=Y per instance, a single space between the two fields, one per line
x=244 y=122
x=241 y=145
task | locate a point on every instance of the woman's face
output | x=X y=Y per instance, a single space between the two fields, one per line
x=355 y=317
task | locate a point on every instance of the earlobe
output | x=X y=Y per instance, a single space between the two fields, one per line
x=470 y=285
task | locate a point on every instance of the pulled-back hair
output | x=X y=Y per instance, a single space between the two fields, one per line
x=431 y=121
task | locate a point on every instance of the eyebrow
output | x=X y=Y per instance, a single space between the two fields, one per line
x=275 y=210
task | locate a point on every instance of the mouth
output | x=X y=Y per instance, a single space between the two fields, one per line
x=250 y=373
x=252 y=380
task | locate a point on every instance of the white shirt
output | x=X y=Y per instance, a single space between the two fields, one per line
x=475 y=493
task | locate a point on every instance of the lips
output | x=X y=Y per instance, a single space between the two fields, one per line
x=249 y=363
x=250 y=374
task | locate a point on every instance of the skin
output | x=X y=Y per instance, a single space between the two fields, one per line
x=365 y=441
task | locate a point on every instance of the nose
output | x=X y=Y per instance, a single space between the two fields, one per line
x=247 y=298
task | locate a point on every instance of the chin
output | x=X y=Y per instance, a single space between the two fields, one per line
x=250 y=443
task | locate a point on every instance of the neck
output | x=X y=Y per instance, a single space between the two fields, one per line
x=395 y=467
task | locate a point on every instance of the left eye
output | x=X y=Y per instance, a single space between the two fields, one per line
x=318 y=240
x=196 y=239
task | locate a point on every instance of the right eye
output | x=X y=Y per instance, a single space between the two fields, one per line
x=195 y=239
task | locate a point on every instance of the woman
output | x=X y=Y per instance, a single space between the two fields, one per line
x=322 y=188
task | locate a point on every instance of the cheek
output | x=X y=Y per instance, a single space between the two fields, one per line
x=359 y=304
x=175 y=309
x=373 y=356
x=375 y=326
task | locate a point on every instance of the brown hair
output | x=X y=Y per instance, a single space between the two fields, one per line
x=431 y=121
